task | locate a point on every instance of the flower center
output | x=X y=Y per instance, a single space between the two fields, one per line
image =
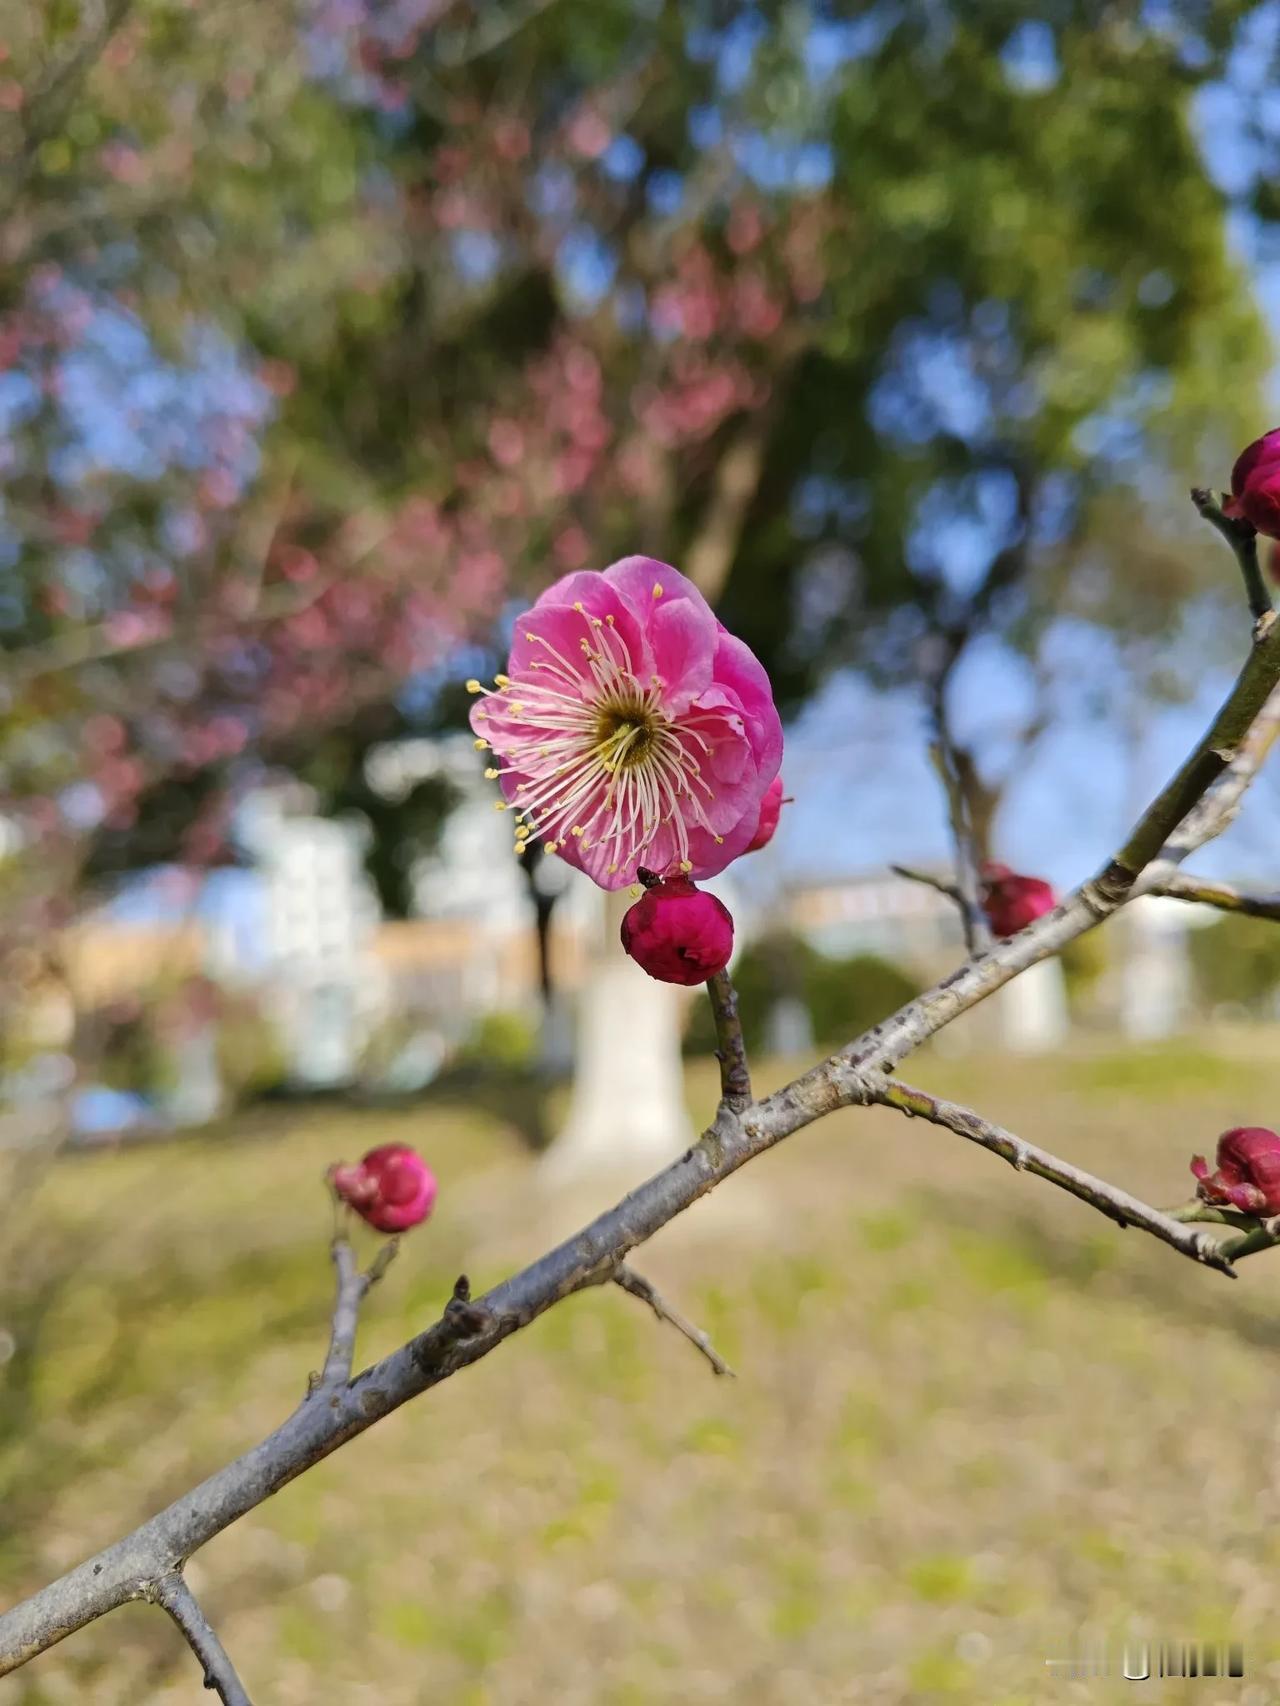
x=624 y=732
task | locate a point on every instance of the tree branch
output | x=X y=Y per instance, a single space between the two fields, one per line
x=1222 y=895
x=353 y=1286
x=638 y=1286
x=731 y=1050
x=172 y=1592
x=1026 y=1157
x=930 y=882
x=977 y=932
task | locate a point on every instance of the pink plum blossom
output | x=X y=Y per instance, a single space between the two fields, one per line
x=631 y=729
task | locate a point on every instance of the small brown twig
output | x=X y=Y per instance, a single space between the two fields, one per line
x=638 y=1286
x=352 y=1289
x=1026 y=1157
x=731 y=1050
x=912 y=875
x=172 y=1592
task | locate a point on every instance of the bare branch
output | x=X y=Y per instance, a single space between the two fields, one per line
x=638 y=1286
x=1026 y=1157
x=352 y=1289
x=930 y=881
x=731 y=1051
x=172 y=1592
x=1242 y=537
x=1222 y=895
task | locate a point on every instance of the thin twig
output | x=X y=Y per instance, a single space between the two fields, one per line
x=172 y=1592
x=731 y=1050
x=1026 y=1157
x=977 y=931
x=1224 y=896
x=638 y=1286
x=930 y=881
x=1242 y=537
x=352 y=1289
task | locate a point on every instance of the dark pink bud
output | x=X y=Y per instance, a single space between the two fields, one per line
x=677 y=933
x=1255 y=485
x=1248 y=1175
x=1011 y=902
x=770 y=811
x=392 y=1188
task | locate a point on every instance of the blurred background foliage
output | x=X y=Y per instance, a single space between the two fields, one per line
x=330 y=333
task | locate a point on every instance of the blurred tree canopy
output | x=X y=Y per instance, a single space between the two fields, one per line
x=329 y=332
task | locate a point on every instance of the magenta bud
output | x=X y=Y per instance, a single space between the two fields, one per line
x=392 y=1188
x=1248 y=1173
x=678 y=933
x=1011 y=902
x=1255 y=485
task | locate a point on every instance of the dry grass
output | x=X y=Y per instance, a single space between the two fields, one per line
x=972 y=1420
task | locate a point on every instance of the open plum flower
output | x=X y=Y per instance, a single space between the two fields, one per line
x=631 y=728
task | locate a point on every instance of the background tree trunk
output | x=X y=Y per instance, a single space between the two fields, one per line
x=627 y=1107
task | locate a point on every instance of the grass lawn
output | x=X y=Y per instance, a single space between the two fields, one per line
x=973 y=1421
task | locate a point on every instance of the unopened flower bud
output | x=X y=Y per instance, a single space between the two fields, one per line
x=1248 y=1175
x=392 y=1188
x=678 y=933
x=1255 y=485
x=1011 y=902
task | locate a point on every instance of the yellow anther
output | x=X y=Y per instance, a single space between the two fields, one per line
x=529 y=636
x=576 y=830
x=657 y=589
x=609 y=620
x=612 y=869
x=550 y=846
x=635 y=891
x=686 y=865
x=481 y=745
x=473 y=686
x=500 y=806
x=490 y=773
x=719 y=840
x=596 y=622
x=505 y=680
x=522 y=831
x=519 y=848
